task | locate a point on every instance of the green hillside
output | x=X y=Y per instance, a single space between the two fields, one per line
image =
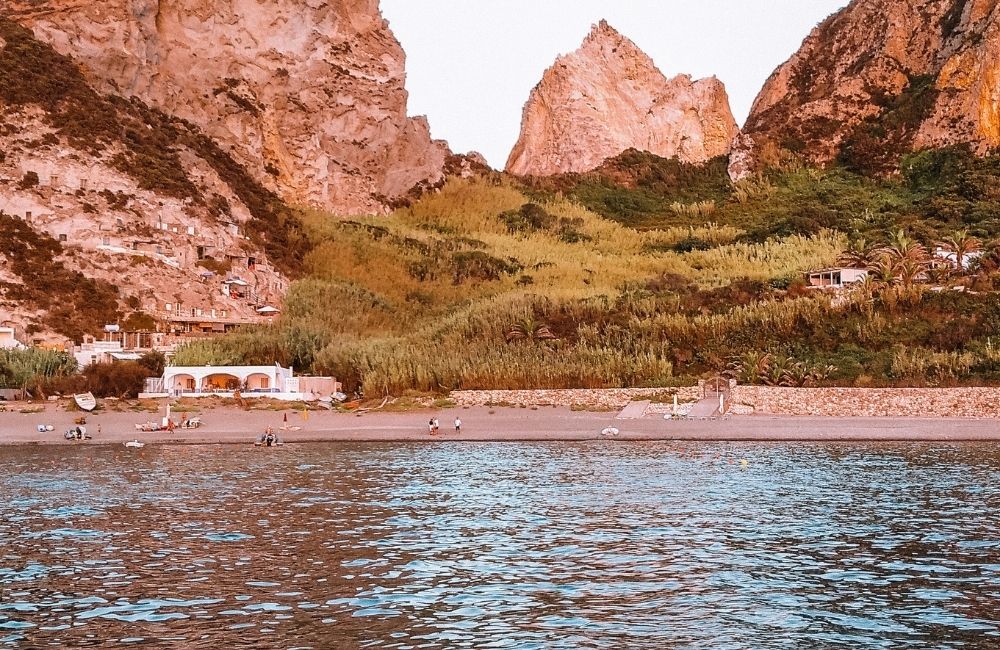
x=645 y=272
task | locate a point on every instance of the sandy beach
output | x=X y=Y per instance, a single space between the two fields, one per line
x=232 y=425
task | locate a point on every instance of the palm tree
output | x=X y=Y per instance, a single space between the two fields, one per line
x=908 y=271
x=860 y=255
x=901 y=246
x=884 y=272
x=962 y=244
x=528 y=329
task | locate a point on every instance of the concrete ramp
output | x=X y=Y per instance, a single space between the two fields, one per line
x=706 y=408
x=634 y=411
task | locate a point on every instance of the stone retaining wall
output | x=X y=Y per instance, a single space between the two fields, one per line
x=761 y=400
x=872 y=402
x=607 y=398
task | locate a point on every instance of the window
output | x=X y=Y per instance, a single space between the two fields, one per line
x=201 y=252
x=106 y=241
x=62 y=238
x=27 y=215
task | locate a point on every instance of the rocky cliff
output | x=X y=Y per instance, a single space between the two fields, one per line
x=880 y=78
x=110 y=210
x=307 y=94
x=608 y=97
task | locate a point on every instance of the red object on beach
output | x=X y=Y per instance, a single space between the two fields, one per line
x=285 y=419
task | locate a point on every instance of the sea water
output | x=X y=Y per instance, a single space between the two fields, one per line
x=590 y=545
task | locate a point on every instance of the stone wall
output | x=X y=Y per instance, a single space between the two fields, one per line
x=871 y=402
x=609 y=398
x=761 y=400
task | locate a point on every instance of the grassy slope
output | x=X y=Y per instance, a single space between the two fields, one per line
x=424 y=299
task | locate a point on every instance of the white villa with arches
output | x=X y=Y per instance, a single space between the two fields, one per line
x=224 y=381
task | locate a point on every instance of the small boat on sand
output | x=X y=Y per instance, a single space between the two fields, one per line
x=135 y=444
x=85 y=401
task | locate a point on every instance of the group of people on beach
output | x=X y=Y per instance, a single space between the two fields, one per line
x=433 y=426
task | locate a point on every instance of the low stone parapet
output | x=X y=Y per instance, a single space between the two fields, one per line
x=871 y=402
x=602 y=398
x=765 y=400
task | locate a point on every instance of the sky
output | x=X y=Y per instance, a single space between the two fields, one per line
x=472 y=63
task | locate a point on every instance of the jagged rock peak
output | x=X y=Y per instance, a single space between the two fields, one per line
x=880 y=78
x=309 y=94
x=608 y=96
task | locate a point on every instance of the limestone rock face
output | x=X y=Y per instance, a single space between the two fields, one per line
x=608 y=97
x=309 y=94
x=920 y=72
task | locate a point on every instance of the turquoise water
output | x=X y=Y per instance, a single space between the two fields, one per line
x=591 y=545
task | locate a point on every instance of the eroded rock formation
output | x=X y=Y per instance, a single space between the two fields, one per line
x=608 y=97
x=309 y=94
x=879 y=78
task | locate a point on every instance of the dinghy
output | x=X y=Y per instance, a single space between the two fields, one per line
x=135 y=444
x=85 y=401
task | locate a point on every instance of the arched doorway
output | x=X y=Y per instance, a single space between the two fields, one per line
x=183 y=383
x=220 y=382
x=259 y=382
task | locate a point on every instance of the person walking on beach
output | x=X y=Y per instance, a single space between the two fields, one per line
x=458 y=425
x=430 y=426
x=437 y=425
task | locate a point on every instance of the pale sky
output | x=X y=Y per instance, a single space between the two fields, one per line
x=472 y=63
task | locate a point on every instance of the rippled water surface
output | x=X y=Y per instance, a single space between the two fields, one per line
x=594 y=545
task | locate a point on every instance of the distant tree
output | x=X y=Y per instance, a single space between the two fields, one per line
x=903 y=247
x=962 y=244
x=528 y=329
x=154 y=362
x=860 y=255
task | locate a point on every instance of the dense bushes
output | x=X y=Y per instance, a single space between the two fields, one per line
x=31 y=367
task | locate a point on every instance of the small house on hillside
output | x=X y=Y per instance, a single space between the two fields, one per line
x=835 y=278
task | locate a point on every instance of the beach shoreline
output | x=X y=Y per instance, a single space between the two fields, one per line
x=231 y=425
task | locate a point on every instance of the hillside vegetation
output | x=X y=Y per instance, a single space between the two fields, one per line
x=646 y=273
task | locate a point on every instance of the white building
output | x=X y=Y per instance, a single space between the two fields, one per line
x=951 y=258
x=8 y=341
x=274 y=381
x=836 y=278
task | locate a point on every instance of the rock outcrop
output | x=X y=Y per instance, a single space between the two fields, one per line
x=880 y=78
x=110 y=210
x=308 y=94
x=608 y=97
